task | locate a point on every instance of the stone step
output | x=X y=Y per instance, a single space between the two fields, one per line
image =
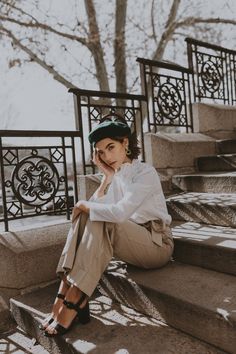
x=225 y=162
x=114 y=328
x=206 y=182
x=195 y=300
x=208 y=246
x=207 y=208
x=226 y=146
x=18 y=342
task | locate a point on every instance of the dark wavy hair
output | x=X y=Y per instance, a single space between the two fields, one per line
x=133 y=140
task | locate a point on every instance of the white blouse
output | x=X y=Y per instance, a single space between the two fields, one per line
x=135 y=193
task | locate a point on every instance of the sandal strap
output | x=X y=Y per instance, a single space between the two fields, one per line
x=72 y=306
x=61 y=296
x=60 y=329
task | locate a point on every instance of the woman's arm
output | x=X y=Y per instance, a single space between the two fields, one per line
x=139 y=190
x=102 y=189
x=108 y=173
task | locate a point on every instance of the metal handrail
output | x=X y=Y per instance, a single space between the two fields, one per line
x=209 y=45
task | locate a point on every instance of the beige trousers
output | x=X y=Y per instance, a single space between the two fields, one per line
x=91 y=245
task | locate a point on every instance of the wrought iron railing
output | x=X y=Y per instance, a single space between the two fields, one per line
x=36 y=179
x=167 y=90
x=214 y=72
x=90 y=106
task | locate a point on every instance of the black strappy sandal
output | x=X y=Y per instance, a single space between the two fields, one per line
x=51 y=319
x=83 y=316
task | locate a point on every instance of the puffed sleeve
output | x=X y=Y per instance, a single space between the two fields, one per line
x=138 y=189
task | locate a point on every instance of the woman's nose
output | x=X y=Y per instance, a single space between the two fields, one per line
x=108 y=157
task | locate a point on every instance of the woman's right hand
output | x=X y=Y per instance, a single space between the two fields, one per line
x=107 y=170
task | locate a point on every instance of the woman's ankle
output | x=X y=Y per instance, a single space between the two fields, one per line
x=75 y=295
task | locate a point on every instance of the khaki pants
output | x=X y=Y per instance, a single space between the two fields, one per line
x=91 y=245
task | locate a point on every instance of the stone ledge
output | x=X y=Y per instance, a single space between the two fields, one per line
x=204 y=208
x=206 y=182
x=30 y=256
x=208 y=246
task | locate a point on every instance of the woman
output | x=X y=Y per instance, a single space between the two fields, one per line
x=126 y=218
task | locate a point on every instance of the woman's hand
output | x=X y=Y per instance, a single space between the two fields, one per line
x=81 y=205
x=107 y=170
x=79 y=208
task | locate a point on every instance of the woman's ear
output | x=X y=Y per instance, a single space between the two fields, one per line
x=126 y=142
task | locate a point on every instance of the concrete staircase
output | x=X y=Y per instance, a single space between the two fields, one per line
x=190 y=304
x=114 y=328
x=215 y=173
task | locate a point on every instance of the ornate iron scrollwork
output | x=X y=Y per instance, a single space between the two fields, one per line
x=169 y=101
x=211 y=76
x=35 y=181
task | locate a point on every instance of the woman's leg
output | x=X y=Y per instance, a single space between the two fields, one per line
x=134 y=244
x=63 y=288
x=100 y=240
x=98 y=243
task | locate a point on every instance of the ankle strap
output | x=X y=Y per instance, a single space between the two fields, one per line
x=61 y=296
x=72 y=306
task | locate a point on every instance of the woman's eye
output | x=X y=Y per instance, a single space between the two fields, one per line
x=110 y=148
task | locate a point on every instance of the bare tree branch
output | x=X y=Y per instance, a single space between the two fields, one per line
x=46 y=27
x=152 y=22
x=12 y=6
x=36 y=59
x=190 y=21
x=168 y=31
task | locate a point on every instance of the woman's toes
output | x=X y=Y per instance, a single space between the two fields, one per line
x=50 y=329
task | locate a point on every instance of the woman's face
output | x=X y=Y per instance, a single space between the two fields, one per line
x=112 y=152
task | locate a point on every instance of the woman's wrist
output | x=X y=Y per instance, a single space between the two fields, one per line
x=102 y=189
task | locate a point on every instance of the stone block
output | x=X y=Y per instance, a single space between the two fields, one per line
x=171 y=151
x=217 y=163
x=30 y=256
x=226 y=146
x=88 y=185
x=215 y=120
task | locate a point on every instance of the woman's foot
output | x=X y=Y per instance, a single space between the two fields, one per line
x=64 y=286
x=55 y=310
x=74 y=303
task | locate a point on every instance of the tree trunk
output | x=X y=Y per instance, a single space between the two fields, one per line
x=119 y=46
x=96 y=47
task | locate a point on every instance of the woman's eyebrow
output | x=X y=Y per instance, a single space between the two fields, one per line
x=105 y=147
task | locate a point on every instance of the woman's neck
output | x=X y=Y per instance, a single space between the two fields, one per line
x=127 y=159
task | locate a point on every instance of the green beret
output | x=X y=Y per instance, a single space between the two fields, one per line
x=108 y=129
